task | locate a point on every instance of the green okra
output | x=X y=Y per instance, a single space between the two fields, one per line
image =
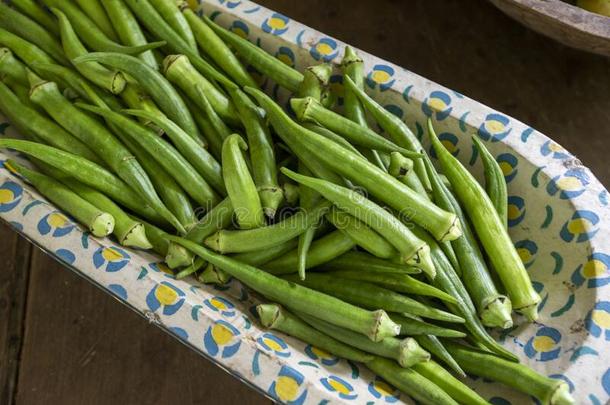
x=398 y=131
x=29 y=120
x=252 y=55
x=447 y=280
x=448 y=383
x=491 y=232
x=412 y=250
x=191 y=149
x=128 y=232
x=352 y=66
x=94 y=10
x=170 y=11
x=27 y=52
x=327 y=133
x=495 y=184
x=443 y=225
x=194 y=268
x=21 y=25
x=549 y=391
x=262 y=156
x=161 y=91
x=217 y=50
x=432 y=344
x=374 y=324
x=218 y=217
x=11 y=68
x=258 y=258
x=369 y=295
x=213 y=275
x=315 y=81
x=37 y=13
x=91 y=35
x=410 y=382
x=240 y=186
x=156 y=236
x=493 y=308
x=155 y=24
x=128 y=30
x=230 y=241
x=410 y=326
x=99 y=138
x=364 y=262
x=98 y=222
x=213 y=126
x=113 y=81
x=361 y=234
x=309 y=109
x=405 y=351
x=399 y=282
x=321 y=250
x=134 y=96
x=275 y=317
x=172 y=195
x=179 y=70
x=307 y=199
x=165 y=155
x=87 y=172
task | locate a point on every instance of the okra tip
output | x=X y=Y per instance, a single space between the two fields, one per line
x=213 y=275
x=271 y=198
x=496 y=314
x=383 y=327
x=118 y=82
x=350 y=56
x=530 y=312
x=169 y=61
x=269 y=314
x=178 y=256
x=454 y=231
x=423 y=260
x=136 y=237
x=34 y=80
x=301 y=107
x=214 y=241
x=562 y=396
x=411 y=353
x=102 y=224
x=321 y=72
x=4 y=53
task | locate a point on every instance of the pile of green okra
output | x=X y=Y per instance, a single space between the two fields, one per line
x=143 y=121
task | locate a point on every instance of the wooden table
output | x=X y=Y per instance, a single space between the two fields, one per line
x=64 y=341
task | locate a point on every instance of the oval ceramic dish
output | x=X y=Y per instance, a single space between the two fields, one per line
x=558 y=217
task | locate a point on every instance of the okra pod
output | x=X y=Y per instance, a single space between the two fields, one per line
x=374 y=324
x=98 y=222
x=405 y=351
x=490 y=231
x=240 y=186
x=321 y=251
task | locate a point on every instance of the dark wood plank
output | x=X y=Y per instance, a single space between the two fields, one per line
x=82 y=347
x=14 y=264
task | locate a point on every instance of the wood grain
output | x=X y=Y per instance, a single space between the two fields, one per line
x=82 y=347
x=14 y=264
x=563 y=22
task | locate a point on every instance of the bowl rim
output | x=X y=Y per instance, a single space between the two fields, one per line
x=404 y=78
